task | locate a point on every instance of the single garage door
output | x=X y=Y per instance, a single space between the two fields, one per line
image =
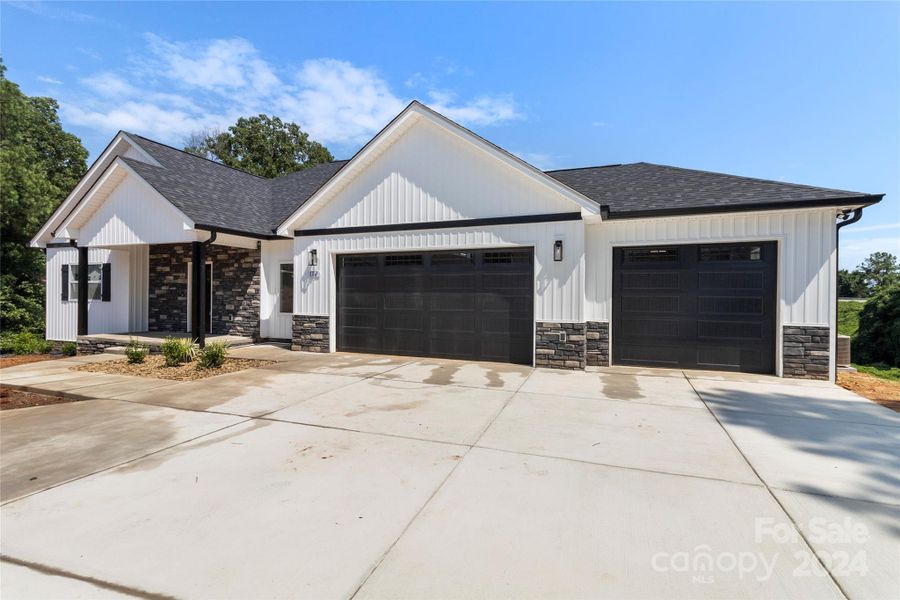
x=467 y=304
x=695 y=306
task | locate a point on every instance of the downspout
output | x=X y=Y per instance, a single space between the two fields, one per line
x=201 y=297
x=847 y=217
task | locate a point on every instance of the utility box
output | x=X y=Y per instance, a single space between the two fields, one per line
x=843 y=350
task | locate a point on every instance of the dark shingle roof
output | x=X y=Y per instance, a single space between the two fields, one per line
x=640 y=189
x=214 y=195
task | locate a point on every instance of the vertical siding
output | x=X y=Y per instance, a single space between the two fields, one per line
x=133 y=213
x=431 y=175
x=559 y=286
x=805 y=255
x=103 y=317
x=273 y=324
x=139 y=287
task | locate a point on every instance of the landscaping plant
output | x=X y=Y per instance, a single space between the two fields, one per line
x=178 y=350
x=26 y=343
x=136 y=351
x=69 y=348
x=878 y=338
x=213 y=355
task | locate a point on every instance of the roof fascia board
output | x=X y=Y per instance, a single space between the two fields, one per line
x=95 y=170
x=408 y=116
x=849 y=202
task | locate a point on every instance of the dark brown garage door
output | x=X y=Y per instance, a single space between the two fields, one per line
x=698 y=306
x=467 y=304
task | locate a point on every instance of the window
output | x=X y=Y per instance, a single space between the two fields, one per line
x=95 y=277
x=729 y=253
x=396 y=260
x=286 y=288
x=453 y=258
x=508 y=258
x=650 y=255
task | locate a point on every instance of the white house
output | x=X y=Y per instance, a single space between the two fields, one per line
x=431 y=241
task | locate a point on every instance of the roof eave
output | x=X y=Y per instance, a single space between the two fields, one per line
x=843 y=202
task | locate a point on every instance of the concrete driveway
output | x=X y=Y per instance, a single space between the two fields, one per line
x=341 y=476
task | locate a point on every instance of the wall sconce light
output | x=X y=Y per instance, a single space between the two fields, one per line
x=313 y=259
x=557 y=250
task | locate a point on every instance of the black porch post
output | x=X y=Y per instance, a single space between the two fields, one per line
x=198 y=294
x=82 y=290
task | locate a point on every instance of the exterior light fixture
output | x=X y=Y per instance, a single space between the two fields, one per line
x=313 y=259
x=557 y=250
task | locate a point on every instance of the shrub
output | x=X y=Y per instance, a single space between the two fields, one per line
x=136 y=351
x=178 y=350
x=26 y=342
x=213 y=355
x=69 y=348
x=878 y=338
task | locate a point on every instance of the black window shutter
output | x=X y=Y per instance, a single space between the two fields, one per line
x=105 y=286
x=65 y=282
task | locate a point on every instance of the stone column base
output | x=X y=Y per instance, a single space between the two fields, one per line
x=806 y=351
x=597 y=334
x=560 y=345
x=310 y=333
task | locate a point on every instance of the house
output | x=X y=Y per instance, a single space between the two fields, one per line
x=431 y=241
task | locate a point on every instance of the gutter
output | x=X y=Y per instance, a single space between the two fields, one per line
x=227 y=231
x=866 y=200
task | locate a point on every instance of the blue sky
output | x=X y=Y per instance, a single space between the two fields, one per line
x=800 y=92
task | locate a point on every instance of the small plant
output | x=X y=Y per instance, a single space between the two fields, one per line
x=136 y=351
x=27 y=343
x=69 y=348
x=178 y=350
x=213 y=355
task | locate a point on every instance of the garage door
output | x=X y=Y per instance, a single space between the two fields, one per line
x=467 y=304
x=697 y=306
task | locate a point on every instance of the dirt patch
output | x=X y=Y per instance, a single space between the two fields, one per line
x=24 y=359
x=10 y=399
x=882 y=391
x=155 y=367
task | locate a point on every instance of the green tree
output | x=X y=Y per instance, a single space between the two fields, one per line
x=852 y=284
x=878 y=337
x=880 y=270
x=39 y=165
x=262 y=145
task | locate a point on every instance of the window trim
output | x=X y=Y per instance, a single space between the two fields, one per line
x=281 y=287
x=73 y=281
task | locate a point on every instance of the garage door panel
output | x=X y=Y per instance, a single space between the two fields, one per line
x=469 y=304
x=713 y=306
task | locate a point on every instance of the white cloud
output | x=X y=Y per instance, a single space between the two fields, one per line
x=50 y=80
x=544 y=162
x=854 y=251
x=174 y=88
x=53 y=10
x=851 y=229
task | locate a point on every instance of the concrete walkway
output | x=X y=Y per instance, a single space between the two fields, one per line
x=339 y=476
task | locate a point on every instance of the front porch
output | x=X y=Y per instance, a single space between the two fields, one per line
x=97 y=343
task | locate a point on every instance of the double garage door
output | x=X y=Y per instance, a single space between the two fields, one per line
x=695 y=306
x=465 y=304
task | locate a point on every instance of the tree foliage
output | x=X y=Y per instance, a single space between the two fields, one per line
x=39 y=165
x=878 y=271
x=262 y=145
x=878 y=338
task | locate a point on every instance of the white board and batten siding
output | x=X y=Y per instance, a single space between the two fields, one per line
x=273 y=322
x=127 y=308
x=806 y=257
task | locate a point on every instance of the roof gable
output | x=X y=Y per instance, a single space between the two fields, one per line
x=418 y=116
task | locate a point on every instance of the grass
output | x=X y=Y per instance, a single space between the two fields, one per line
x=848 y=317
x=881 y=371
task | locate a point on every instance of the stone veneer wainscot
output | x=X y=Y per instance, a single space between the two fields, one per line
x=597 y=339
x=806 y=351
x=310 y=333
x=559 y=345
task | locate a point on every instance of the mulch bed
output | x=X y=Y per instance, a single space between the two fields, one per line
x=882 y=391
x=24 y=359
x=10 y=399
x=155 y=366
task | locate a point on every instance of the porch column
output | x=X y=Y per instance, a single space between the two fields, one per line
x=82 y=328
x=198 y=293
